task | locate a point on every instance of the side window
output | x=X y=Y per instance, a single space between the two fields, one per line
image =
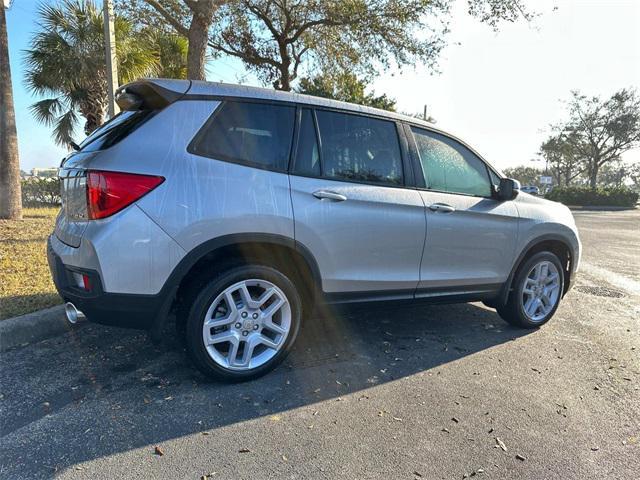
x=252 y=133
x=307 y=156
x=449 y=166
x=360 y=148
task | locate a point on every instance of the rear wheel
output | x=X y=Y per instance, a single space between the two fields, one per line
x=243 y=323
x=536 y=293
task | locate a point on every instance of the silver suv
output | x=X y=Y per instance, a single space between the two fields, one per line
x=240 y=208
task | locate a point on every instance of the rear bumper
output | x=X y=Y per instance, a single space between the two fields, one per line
x=121 y=310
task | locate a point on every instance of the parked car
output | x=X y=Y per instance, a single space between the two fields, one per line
x=241 y=208
x=532 y=189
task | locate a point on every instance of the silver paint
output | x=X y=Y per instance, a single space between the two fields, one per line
x=375 y=238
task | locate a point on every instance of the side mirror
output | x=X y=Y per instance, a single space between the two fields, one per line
x=508 y=189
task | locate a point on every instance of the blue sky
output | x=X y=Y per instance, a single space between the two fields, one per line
x=498 y=91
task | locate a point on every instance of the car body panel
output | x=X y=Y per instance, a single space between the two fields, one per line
x=130 y=252
x=540 y=217
x=371 y=241
x=473 y=245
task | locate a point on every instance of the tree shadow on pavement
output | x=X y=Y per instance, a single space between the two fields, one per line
x=100 y=391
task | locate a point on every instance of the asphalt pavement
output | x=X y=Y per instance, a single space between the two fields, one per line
x=378 y=391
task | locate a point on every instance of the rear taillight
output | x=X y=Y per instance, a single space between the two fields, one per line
x=110 y=192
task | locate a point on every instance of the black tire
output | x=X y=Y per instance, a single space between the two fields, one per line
x=204 y=293
x=513 y=312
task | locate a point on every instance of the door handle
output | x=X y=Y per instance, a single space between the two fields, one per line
x=441 y=207
x=338 y=197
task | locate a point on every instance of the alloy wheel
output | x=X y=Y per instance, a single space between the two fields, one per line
x=247 y=325
x=541 y=291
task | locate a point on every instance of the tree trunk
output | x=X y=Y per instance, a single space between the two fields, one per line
x=198 y=42
x=283 y=83
x=93 y=110
x=593 y=175
x=10 y=191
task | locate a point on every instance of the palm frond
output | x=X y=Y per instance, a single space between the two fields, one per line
x=66 y=61
x=46 y=111
x=65 y=125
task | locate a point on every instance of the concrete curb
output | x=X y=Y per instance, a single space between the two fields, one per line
x=33 y=327
x=598 y=208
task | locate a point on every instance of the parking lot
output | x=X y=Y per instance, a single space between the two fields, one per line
x=371 y=391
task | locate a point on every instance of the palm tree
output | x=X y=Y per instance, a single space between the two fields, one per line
x=10 y=195
x=66 y=64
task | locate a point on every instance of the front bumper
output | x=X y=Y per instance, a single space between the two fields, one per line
x=117 y=309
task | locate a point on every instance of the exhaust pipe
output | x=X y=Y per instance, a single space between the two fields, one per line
x=73 y=314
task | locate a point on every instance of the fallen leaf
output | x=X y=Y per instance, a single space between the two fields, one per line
x=501 y=444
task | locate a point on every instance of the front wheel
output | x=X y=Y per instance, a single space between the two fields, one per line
x=536 y=293
x=243 y=323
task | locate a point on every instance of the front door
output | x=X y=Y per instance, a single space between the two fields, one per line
x=471 y=235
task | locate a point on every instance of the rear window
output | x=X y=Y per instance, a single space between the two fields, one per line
x=115 y=130
x=254 y=134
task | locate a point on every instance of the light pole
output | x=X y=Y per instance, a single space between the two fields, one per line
x=110 y=53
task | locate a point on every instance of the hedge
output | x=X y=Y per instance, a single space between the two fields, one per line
x=601 y=196
x=38 y=192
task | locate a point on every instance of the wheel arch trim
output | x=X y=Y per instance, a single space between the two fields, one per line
x=196 y=254
x=506 y=288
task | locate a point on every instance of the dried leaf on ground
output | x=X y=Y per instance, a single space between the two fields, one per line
x=500 y=443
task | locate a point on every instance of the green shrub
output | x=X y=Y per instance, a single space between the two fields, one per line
x=38 y=192
x=601 y=196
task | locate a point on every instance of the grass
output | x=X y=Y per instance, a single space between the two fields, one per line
x=25 y=281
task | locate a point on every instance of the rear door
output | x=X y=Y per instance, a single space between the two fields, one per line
x=471 y=236
x=351 y=207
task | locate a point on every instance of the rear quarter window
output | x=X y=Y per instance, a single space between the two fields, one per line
x=254 y=134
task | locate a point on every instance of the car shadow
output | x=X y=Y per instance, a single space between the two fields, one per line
x=99 y=391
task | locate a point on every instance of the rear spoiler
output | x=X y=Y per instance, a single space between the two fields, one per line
x=150 y=94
